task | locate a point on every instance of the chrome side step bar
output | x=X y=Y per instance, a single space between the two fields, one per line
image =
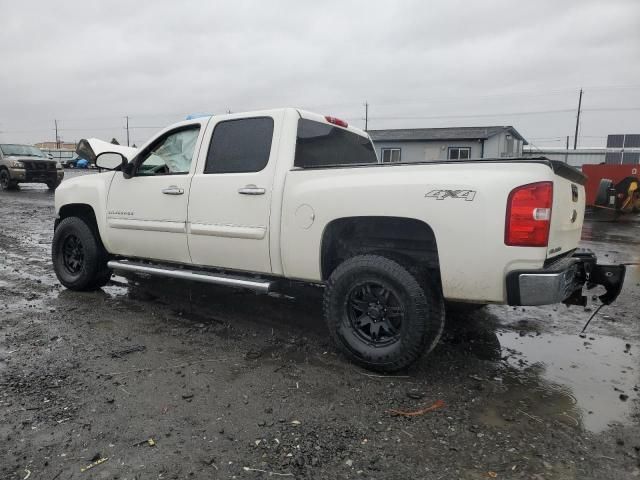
x=199 y=276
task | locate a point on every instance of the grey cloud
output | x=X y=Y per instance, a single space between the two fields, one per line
x=89 y=64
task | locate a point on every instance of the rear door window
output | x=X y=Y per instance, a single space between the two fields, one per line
x=323 y=145
x=240 y=146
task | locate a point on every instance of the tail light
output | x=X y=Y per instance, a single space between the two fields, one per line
x=336 y=121
x=529 y=215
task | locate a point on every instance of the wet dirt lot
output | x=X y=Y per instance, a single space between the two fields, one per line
x=228 y=384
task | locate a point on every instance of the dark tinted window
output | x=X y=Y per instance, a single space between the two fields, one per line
x=320 y=145
x=240 y=146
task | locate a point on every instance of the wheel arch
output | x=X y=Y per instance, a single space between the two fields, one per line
x=81 y=210
x=87 y=213
x=407 y=240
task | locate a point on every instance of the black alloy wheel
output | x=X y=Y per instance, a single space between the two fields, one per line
x=79 y=258
x=375 y=313
x=73 y=254
x=380 y=314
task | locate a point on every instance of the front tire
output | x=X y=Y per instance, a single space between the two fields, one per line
x=379 y=315
x=5 y=181
x=79 y=259
x=53 y=185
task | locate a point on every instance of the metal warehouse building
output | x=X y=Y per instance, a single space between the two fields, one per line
x=575 y=158
x=620 y=150
x=456 y=143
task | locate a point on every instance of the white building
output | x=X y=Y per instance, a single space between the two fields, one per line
x=456 y=143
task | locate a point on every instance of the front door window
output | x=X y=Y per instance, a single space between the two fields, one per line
x=170 y=155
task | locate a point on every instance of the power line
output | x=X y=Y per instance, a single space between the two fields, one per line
x=611 y=109
x=502 y=114
x=529 y=93
x=367 y=118
x=408 y=117
x=414 y=101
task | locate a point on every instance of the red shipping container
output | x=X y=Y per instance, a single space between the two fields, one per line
x=616 y=173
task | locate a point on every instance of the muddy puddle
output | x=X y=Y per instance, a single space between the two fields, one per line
x=612 y=232
x=589 y=383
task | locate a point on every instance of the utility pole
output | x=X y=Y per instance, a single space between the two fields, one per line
x=575 y=138
x=57 y=138
x=127 y=117
x=566 y=155
x=366 y=116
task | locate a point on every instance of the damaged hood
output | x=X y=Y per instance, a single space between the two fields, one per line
x=90 y=148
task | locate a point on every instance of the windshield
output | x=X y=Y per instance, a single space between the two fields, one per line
x=21 y=150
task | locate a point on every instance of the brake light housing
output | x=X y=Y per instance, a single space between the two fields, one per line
x=336 y=121
x=529 y=215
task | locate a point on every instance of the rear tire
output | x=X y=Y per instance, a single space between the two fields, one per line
x=79 y=258
x=53 y=185
x=379 y=315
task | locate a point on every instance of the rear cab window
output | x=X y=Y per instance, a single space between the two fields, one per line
x=324 y=145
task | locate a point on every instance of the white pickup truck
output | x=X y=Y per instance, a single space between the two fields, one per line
x=251 y=200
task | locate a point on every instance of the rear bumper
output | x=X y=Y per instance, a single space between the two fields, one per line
x=562 y=281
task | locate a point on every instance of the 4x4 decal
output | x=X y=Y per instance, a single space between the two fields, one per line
x=468 y=195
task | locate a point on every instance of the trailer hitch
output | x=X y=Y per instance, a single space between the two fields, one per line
x=611 y=277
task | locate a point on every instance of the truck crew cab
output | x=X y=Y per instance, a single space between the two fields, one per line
x=248 y=200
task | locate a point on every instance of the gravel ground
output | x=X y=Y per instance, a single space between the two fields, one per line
x=151 y=378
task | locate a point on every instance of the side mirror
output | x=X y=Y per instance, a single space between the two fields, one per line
x=110 y=160
x=127 y=170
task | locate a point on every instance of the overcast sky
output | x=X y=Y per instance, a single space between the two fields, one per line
x=418 y=64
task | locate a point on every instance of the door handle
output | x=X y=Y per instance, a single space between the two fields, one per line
x=173 y=190
x=251 y=190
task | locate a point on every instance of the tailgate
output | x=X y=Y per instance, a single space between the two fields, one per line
x=567 y=213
